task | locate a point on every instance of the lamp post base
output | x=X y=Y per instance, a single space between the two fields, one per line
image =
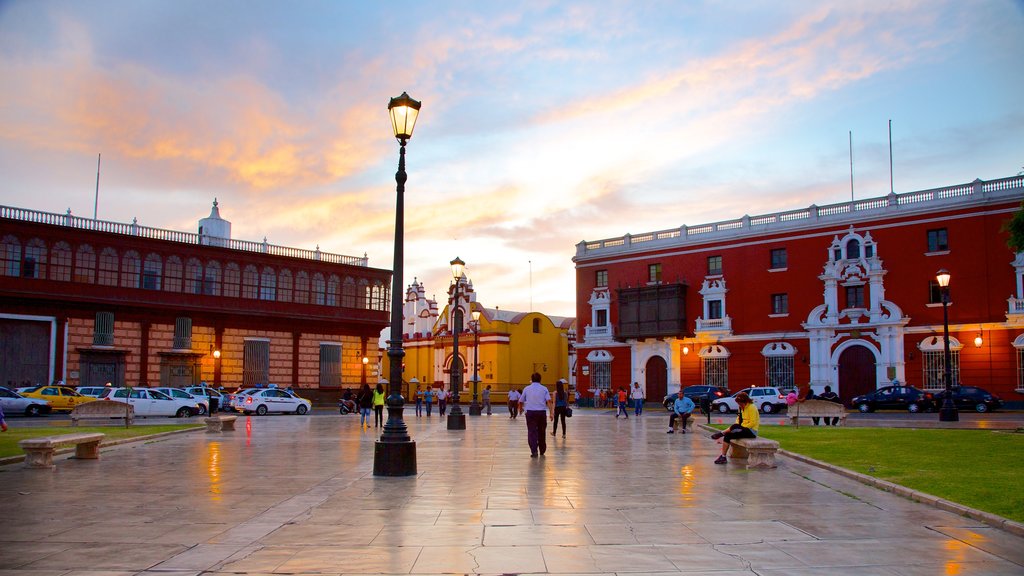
x=948 y=412
x=456 y=419
x=394 y=458
x=475 y=409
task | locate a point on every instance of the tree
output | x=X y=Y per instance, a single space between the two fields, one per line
x=1015 y=227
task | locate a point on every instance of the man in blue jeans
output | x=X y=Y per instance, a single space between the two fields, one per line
x=536 y=402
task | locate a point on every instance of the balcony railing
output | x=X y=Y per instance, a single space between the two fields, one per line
x=891 y=205
x=134 y=229
x=714 y=324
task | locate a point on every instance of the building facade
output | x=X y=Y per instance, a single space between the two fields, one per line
x=842 y=295
x=506 y=347
x=89 y=302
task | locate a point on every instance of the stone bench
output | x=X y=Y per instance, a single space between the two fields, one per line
x=759 y=452
x=39 y=451
x=689 y=424
x=220 y=423
x=816 y=409
x=102 y=410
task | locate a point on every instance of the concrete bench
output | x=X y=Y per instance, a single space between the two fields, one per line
x=39 y=451
x=220 y=423
x=759 y=452
x=689 y=424
x=816 y=409
x=102 y=410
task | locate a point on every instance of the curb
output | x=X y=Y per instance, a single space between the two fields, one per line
x=993 y=520
x=70 y=449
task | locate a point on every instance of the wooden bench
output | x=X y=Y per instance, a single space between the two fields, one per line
x=816 y=409
x=759 y=452
x=220 y=423
x=102 y=410
x=39 y=451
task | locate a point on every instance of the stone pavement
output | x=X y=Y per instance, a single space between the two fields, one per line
x=296 y=495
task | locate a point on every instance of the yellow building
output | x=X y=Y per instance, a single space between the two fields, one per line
x=512 y=345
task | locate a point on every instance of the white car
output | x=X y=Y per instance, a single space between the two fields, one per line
x=214 y=399
x=94 y=391
x=768 y=399
x=14 y=403
x=201 y=401
x=149 y=402
x=264 y=400
x=237 y=399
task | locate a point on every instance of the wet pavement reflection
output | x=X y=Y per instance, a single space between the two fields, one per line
x=296 y=495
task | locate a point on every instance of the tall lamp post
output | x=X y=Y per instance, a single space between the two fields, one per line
x=456 y=419
x=474 y=408
x=948 y=411
x=394 y=454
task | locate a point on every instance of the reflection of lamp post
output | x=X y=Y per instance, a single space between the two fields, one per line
x=394 y=453
x=456 y=419
x=474 y=408
x=948 y=412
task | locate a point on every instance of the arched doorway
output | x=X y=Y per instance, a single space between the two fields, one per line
x=657 y=378
x=856 y=373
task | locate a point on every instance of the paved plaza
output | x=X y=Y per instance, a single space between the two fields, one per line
x=296 y=495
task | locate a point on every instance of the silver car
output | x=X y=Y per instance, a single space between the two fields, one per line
x=14 y=403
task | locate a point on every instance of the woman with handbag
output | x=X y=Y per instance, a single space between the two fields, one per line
x=561 y=407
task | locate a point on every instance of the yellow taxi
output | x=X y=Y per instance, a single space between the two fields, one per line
x=59 y=397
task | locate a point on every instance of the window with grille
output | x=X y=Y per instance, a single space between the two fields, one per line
x=211 y=279
x=60 y=262
x=182 y=333
x=600 y=375
x=934 y=362
x=780 y=303
x=938 y=240
x=348 y=293
x=779 y=372
x=319 y=289
x=1020 y=369
x=778 y=258
x=194 y=276
x=601 y=278
x=380 y=296
x=302 y=288
x=854 y=296
x=103 y=329
x=715 y=371
x=714 y=265
x=284 y=286
x=333 y=286
x=34 y=265
x=255 y=363
x=330 y=365
x=131 y=269
x=85 y=265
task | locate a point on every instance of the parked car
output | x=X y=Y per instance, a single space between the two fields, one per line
x=970 y=398
x=895 y=398
x=201 y=401
x=264 y=400
x=14 y=403
x=150 y=402
x=238 y=397
x=767 y=399
x=214 y=399
x=698 y=393
x=60 y=397
x=93 y=391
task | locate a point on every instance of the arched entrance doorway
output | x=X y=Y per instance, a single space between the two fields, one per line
x=656 y=372
x=856 y=373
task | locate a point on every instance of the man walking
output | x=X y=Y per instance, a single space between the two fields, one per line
x=535 y=400
x=513 y=403
x=487 y=399
x=637 y=395
x=621 y=403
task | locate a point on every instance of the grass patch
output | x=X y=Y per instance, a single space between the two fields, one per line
x=978 y=468
x=9 y=440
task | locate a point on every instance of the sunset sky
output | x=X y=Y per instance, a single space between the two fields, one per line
x=543 y=123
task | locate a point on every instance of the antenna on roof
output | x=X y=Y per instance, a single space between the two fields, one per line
x=851 y=165
x=96 y=199
x=890 y=157
x=531 y=284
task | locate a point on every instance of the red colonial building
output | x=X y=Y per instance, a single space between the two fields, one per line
x=842 y=295
x=90 y=302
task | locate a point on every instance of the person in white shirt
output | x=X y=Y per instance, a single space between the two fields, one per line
x=536 y=402
x=513 y=403
x=637 y=395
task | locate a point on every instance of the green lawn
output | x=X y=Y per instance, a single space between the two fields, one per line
x=9 y=440
x=978 y=468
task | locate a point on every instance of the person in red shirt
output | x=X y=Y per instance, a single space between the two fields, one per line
x=622 y=403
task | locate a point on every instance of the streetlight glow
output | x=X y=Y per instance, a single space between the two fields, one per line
x=942 y=277
x=404 y=112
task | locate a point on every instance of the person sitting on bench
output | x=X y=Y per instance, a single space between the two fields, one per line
x=682 y=407
x=747 y=423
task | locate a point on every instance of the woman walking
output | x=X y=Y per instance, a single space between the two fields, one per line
x=365 y=404
x=378 y=406
x=561 y=403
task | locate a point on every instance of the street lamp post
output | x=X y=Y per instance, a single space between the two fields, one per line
x=474 y=408
x=456 y=418
x=948 y=411
x=394 y=453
